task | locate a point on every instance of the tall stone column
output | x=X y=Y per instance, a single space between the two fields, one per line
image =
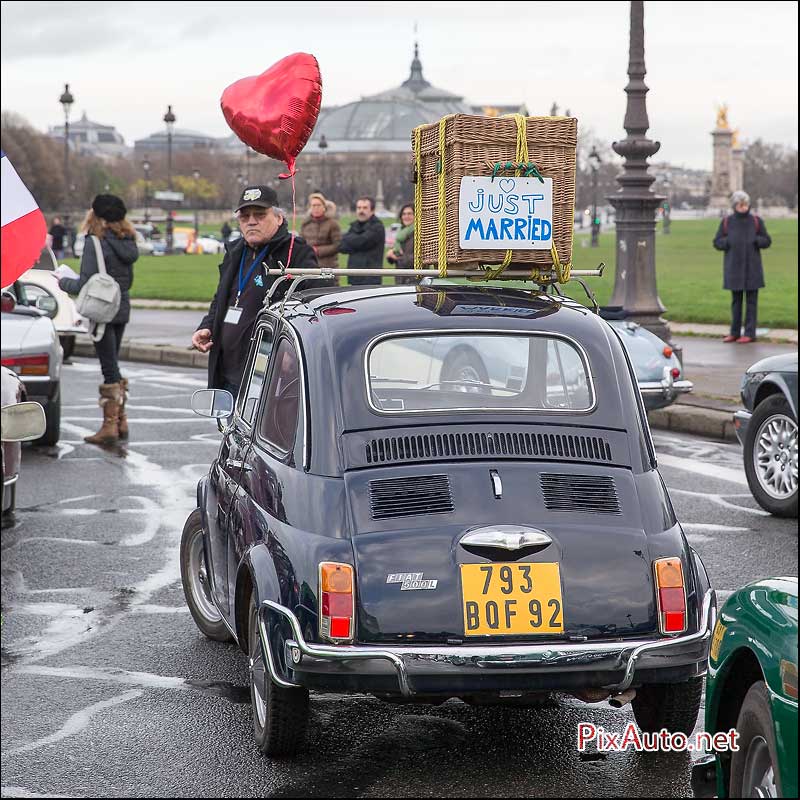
x=635 y=203
x=737 y=168
x=722 y=174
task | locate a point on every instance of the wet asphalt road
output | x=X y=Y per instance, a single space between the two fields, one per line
x=108 y=689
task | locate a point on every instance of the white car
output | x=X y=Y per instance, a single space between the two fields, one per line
x=31 y=349
x=42 y=291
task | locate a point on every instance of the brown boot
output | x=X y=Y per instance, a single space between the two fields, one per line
x=123 y=417
x=109 y=401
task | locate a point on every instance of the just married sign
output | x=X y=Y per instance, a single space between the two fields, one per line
x=505 y=214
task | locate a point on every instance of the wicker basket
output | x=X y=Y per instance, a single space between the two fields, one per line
x=471 y=144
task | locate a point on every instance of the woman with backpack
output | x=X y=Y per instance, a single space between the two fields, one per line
x=742 y=236
x=110 y=247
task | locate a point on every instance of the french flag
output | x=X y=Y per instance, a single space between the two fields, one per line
x=24 y=228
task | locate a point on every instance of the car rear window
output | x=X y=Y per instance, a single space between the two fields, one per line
x=474 y=371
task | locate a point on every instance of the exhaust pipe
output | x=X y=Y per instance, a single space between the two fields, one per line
x=622 y=699
x=591 y=695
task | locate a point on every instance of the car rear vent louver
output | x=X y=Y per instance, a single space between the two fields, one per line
x=590 y=493
x=424 y=447
x=407 y=497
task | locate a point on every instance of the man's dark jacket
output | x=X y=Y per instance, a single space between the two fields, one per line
x=302 y=256
x=365 y=242
x=742 y=240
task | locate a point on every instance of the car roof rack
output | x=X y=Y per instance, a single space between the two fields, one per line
x=302 y=274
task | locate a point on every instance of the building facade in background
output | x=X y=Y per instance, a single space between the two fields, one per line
x=92 y=138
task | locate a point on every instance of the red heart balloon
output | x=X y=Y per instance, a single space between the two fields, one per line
x=275 y=112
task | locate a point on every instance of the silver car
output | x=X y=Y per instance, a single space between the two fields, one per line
x=31 y=349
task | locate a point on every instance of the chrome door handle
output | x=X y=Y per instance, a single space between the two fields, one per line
x=234 y=463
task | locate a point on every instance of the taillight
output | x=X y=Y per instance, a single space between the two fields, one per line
x=337 y=606
x=667 y=351
x=28 y=365
x=671 y=593
x=676 y=373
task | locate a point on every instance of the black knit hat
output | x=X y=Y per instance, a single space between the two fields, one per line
x=109 y=207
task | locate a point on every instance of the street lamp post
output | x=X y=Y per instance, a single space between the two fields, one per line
x=594 y=163
x=667 y=209
x=146 y=168
x=169 y=121
x=635 y=203
x=323 y=146
x=196 y=176
x=66 y=101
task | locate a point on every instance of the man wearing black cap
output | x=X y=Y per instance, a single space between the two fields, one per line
x=225 y=331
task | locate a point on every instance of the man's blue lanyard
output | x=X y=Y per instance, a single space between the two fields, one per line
x=244 y=281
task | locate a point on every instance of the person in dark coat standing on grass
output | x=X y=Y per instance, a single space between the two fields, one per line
x=742 y=236
x=364 y=242
x=58 y=232
x=117 y=236
x=226 y=329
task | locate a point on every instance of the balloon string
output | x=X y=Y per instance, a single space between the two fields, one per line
x=294 y=220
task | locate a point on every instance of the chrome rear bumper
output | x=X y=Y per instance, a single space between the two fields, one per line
x=611 y=657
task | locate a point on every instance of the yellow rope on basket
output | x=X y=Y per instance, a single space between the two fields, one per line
x=442 y=202
x=418 y=199
x=520 y=157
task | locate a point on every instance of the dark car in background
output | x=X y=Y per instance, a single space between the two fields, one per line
x=374 y=525
x=767 y=430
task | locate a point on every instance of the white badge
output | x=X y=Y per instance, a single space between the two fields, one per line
x=234 y=315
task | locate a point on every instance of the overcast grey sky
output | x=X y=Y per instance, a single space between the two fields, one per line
x=125 y=61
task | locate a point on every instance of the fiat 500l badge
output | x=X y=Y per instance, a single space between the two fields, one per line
x=410 y=581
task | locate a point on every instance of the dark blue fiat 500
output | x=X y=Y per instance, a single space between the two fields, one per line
x=429 y=492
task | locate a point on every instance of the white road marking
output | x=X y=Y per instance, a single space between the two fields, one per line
x=708 y=526
x=703 y=468
x=151 y=525
x=21 y=791
x=76 y=723
x=721 y=501
x=62 y=539
x=133 y=407
x=144 y=680
x=132 y=420
x=192 y=440
x=149 y=609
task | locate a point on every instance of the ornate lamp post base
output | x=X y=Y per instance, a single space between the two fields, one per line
x=635 y=203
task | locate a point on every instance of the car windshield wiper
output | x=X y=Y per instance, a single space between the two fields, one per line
x=472 y=383
x=373 y=379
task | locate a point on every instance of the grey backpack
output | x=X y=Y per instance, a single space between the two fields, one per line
x=100 y=297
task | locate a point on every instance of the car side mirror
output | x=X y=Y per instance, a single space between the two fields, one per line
x=213 y=403
x=23 y=422
x=48 y=304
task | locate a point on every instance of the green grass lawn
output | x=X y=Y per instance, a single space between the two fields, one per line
x=689 y=274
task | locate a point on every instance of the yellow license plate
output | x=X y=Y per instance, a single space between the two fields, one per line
x=511 y=599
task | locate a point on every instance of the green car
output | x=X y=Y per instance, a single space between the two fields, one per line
x=752 y=687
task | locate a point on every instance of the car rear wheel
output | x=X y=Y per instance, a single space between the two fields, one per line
x=673 y=706
x=196 y=587
x=770 y=456
x=754 y=766
x=52 y=415
x=280 y=714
